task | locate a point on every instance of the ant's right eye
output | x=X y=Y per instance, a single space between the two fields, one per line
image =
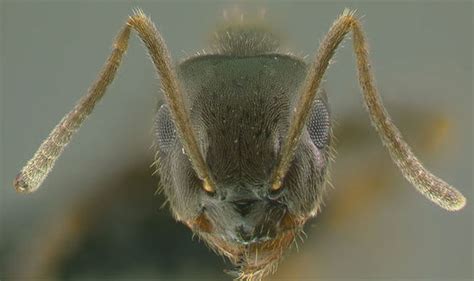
x=164 y=129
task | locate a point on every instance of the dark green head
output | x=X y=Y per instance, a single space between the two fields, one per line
x=240 y=109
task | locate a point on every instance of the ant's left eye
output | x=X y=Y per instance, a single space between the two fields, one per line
x=164 y=129
x=319 y=124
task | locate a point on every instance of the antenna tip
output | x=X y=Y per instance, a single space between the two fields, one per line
x=458 y=204
x=452 y=200
x=21 y=185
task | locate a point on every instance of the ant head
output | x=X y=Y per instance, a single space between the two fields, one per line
x=240 y=112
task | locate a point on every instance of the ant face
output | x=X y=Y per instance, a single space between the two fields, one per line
x=240 y=111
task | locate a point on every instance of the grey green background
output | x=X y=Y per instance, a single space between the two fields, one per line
x=422 y=54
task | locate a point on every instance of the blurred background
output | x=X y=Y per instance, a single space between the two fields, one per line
x=96 y=215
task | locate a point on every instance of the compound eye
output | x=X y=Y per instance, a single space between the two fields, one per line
x=165 y=130
x=319 y=124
